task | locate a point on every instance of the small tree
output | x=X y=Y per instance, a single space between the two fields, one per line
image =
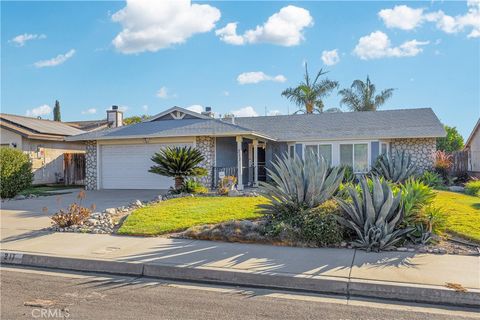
x=452 y=142
x=135 y=119
x=56 y=112
x=178 y=162
x=15 y=172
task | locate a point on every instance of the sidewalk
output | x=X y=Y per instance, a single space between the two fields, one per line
x=395 y=275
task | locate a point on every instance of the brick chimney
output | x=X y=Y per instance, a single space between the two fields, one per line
x=114 y=117
x=208 y=112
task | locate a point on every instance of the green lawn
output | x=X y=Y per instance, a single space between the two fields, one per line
x=41 y=190
x=463 y=213
x=182 y=213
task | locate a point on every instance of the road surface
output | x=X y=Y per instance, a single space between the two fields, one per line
x=48 y=294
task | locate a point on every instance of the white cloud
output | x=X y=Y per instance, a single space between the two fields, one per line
x=196 y=108
x=61 y=58
x=377 y=45
x=274 y=113
x=284 y=28
x=406 y=18
x=145 y=107
x=154 y=25
x=163 y=93
x=39 y=111
x=245 y=112
x=123 y=108
x=331 y=57
x=402 y=17
x=90 y=111
x=226 y=93
x=258 y=76
x=21 y=39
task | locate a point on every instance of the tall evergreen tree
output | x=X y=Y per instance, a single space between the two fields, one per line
x=56 y=112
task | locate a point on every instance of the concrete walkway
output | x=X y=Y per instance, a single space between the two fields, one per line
x=23 y=218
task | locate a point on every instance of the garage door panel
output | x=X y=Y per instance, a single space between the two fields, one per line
x=126 y=167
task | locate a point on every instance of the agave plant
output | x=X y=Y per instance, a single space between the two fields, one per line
x=415 y=196
x=300 y=183
x=373 y=215
x=396 y=169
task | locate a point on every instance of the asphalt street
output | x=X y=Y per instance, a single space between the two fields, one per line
x=47 y=294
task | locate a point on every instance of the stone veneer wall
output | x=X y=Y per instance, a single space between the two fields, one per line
x=91 y=165
x=206 y=145
x=421 y=150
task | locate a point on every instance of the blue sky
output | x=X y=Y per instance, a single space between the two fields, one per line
x=147 y=56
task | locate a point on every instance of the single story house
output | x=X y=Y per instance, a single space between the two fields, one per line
x=119 y=158
x=43 y=141
x=472 y=147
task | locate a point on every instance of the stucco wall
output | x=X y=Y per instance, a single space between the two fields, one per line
x=47 y=158
x=91 y=165
x=10 y=138
x=422 y=151
x=206 y=145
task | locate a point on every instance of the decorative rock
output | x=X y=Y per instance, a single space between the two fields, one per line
x=110 y=210
x=456 y=188
x=138 y=203
x=19 y=197
x=402 y=249
x=234 y=193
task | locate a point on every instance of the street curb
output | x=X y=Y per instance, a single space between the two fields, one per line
x=332 y=285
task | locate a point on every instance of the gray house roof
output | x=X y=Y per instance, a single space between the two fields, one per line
x=37 y=128
x=406 y=123
x=171 y=128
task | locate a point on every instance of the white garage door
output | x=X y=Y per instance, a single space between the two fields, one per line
x=126 y=167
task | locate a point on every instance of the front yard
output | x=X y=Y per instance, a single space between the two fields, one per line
x=182 y=213
x=463 y=213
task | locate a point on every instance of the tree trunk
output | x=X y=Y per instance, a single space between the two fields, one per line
x=309 y=107
x=178 y=182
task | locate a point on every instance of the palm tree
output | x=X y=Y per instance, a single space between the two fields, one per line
x=361 y=96
x=178 y=162
x=308 y=94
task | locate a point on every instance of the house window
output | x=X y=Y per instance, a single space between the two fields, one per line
x=355 y=155
x=292 y=151
x=384 y=148
x=325 y=150
x=311 y=148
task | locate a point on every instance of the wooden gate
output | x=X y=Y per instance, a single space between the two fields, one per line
x=74 y=168
x=459 y=163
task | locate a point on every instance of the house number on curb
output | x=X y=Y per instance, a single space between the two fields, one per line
x=11 y=257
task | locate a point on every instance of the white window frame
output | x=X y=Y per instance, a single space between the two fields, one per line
x=318 y=144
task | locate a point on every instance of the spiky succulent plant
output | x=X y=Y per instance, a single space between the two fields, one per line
x=373 y=215
x=396 y=169
x=300 y=183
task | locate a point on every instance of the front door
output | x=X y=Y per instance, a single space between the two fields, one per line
x=262 y=176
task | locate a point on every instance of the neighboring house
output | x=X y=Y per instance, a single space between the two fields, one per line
x=90 y=125
x=473 y=150
x=119 y=158
x=43 y=141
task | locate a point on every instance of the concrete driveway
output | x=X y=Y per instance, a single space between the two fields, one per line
x=21 y=219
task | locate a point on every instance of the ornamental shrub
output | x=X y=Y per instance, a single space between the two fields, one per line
x=15 y=172
x=320 y=225
x=473 y=188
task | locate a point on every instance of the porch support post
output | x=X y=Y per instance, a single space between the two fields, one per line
x=239 y=164
x=255 y=163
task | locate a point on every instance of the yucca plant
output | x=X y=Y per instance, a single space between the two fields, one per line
x=415 y=196
x=299 y=184
x=396 y=169
x=373 y=215
x=431 y=179
x=178 y=162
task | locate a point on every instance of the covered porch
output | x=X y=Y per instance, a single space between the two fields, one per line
x=243 y=157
